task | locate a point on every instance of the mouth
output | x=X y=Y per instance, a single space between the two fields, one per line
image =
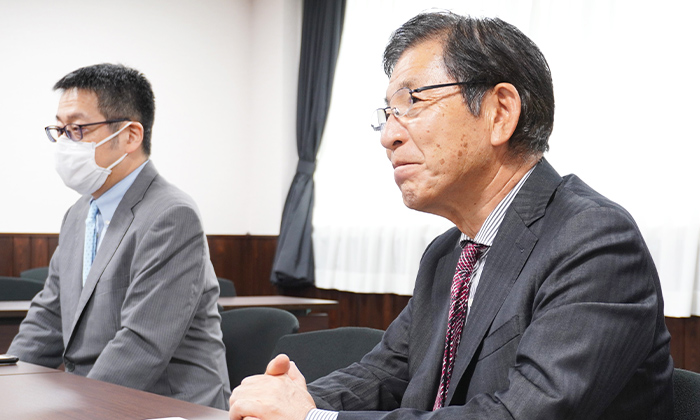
x=399 y=164
x=403 y=170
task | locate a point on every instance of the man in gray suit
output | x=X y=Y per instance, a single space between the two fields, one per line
x=564 y=312
x=131 y=293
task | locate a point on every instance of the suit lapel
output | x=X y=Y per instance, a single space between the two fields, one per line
x=510 y=250
x=503 y=264
x=122 y=219
x=70 y=249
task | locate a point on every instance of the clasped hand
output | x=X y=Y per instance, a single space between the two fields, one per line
x=279 y=394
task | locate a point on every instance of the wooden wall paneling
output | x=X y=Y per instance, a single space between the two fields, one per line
x=676 y=326
x=221 y=250
x=7 y=257
x=355 y=309
x=365 y=310
x=388 y=308
x=370 y=311
x=692 y=344
x=39 y=251
x=23 y=255
x=247 y=261
x=19 y=252
x=261 y=253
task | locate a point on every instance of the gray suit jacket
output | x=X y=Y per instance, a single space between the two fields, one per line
x=567 y=323
x=147 y=316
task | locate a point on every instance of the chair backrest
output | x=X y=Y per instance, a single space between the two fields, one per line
x=226 y=287
x=686 y=395
x=318 y=353
x=17 y=288
x=250 y=335
x=38 y=273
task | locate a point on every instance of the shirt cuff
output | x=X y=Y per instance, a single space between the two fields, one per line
x=318 y=414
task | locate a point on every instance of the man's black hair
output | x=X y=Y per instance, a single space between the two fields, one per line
x=122 y=92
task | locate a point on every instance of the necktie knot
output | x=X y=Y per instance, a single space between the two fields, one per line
x=470 y=255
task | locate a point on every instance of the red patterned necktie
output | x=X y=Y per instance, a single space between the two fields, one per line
x=461 y=283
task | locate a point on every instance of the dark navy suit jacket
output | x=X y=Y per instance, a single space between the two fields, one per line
x=567 y=323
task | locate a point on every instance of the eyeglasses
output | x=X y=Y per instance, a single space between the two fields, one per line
x=74 y=131
x=401 y=102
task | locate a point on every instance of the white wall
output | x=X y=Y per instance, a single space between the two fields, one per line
x=626 y=104
x=224 y=73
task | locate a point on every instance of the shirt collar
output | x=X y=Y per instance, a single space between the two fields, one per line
x=489 y=229
x=108 y=202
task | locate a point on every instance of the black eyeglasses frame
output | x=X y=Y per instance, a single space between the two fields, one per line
x=387 y=110
x=61 y=130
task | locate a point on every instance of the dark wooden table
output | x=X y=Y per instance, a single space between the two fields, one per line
x=32 y=393
x=312 y=313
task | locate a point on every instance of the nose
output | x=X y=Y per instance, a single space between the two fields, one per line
x=394 y=133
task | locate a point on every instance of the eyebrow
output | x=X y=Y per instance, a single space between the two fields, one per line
x=72 y=117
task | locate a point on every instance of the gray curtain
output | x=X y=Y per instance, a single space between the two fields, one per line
x=321 y=29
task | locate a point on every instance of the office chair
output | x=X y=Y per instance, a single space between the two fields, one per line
x=38 y=273
x=226 y=287
x=686 y=395
x=318 y=353
x=17 y=288
x=250 y=335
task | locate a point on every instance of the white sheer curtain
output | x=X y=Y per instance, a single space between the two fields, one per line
x=627 y=101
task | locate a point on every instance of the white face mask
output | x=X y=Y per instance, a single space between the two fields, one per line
x=75 y=163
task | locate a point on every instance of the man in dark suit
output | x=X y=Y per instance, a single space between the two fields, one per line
x=563 y=307
x=139 y=309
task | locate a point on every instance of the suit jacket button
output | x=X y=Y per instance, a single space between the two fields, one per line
x=70 y=367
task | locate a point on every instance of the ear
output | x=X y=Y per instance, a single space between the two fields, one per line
x=135 y=137
x=506 y=103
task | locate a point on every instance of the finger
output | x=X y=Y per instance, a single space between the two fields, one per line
x=243 y=409
x=278 y=366
x=232 y=414
x=249 y=389
x=296 y=375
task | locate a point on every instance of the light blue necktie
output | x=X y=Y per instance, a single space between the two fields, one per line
x=90 y=247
